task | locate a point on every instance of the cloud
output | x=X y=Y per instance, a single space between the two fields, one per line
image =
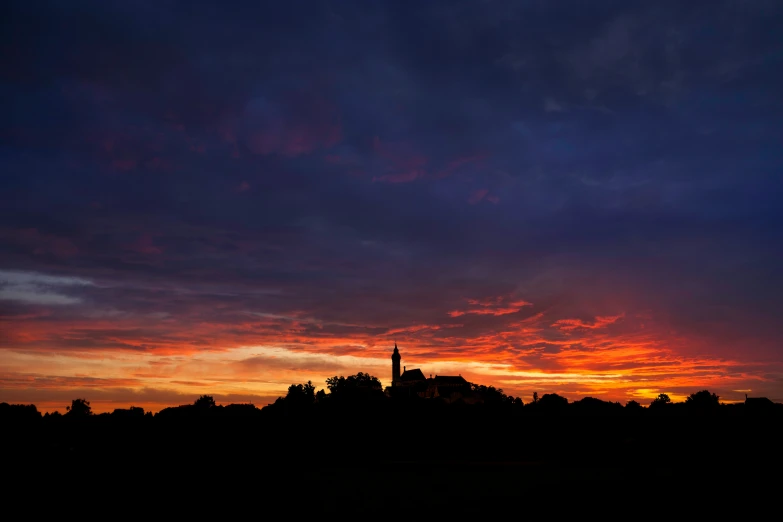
x=574 y=324
x=550 y=105
x=400 y=162
x=401 y=177
x=455 y=165
x=39 y=243
x=144 y=245
x=492 y=306
x=35 y=288
x=297 y=123
x=477 y=196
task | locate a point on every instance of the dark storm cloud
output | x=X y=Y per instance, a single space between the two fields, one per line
x=359 y=168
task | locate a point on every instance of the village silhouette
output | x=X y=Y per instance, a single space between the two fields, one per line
x=431 y=437
x=407 y=386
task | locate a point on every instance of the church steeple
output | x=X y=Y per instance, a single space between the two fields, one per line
x=395 y=365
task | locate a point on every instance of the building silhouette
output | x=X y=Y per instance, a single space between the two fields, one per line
x=758 y=404
x=413 y=382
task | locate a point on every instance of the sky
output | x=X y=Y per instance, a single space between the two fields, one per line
x=226 y=198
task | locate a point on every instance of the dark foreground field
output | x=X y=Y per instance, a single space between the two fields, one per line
x=349 y=461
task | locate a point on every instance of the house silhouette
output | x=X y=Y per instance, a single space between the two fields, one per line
x=758 y=404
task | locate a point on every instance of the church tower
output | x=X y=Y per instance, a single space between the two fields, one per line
x=396 y=366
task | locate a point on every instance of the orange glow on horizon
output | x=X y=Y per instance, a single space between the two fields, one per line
x=159 y=362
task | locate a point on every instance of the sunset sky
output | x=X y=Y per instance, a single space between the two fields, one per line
x=226 y=198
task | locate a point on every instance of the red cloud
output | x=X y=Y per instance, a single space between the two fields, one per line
x=521 y=356
x=401 y=177
x=477 y=196
x=40 y=243
x=568 y=325
x=420 y=328
x=297 y=124
x=335 y=159
x=124 y=164
x=158 y=163
x=454 y=165
x=293 y=139
x=550 y=351
x=491 y=306
x=402 y=163
x=144 y=245
x=352 y=164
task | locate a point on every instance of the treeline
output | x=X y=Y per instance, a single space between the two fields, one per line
x=354 y=423
x=364 y=444
x=364 y=391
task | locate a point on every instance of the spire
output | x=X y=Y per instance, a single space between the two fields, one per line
x=395 y=365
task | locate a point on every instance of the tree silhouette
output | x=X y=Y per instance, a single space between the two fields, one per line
x=702 y=400
x=360 y=380
x=535 y=397
x=660 y=401
x=301 y=393
x=79 y=408
x=552 y=402
x=18 y=412
x=132 y=412
x=490 y=394
x=361 y=385
x=593 y=406
x=204 y=402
